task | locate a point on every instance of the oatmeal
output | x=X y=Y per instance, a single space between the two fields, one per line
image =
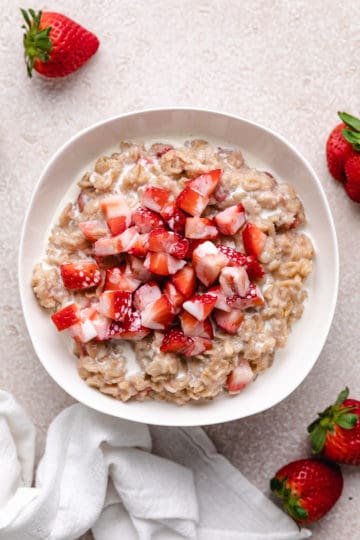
x=177 y=271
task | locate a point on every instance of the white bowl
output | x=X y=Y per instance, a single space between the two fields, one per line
x=262 y=148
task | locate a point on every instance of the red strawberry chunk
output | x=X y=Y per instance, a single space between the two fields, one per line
x=135 y=269
x=139 y=248
x=220 y=298
x=132 y=329
x=206 y=183
x=235 y=258
x=159 y=314
x=117 y=279
x=174 y=218
x=145 y=295
x=66 y=317
x=163 y=264
x=253 y=298
x=175 y=297
x=80 y=275
x=194 y=328
x=154 y=198
x=117 y=244
x=192 y=201
x=117 y=213
x=239 y=377
x=198 y=346
x=175 y=341
x=163 y=241
x=208 y=261
x=230 y=321
x=200 y=306
x=234 y=280
x=253 y=239
x=94 y=229
x=198 y=228
x=146 y=220
x=193 y=244
x=116 y=305
x=83 y=331
x=101 y=325
x=229 y=221
x=185 y=281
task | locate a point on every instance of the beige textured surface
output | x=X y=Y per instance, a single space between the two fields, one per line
x=287 y=64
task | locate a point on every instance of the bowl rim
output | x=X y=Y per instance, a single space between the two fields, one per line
x=330 y=308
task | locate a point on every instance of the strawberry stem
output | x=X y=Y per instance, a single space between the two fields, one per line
x=37 y=43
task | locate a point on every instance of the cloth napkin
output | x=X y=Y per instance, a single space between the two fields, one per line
x=98 y=472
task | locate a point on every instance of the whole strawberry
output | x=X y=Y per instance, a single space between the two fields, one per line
x=55 y=45
x=309 y=488
x=338 y=150
x=336 y=433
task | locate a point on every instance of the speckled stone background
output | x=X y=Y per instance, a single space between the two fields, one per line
x=287 y=64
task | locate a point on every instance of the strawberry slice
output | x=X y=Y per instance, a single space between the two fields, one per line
x=230 y=321
x=132 y=329
x=208 y=261
x=175 y=341
x=239 y=377
x=159 y=314
x=66 y=317
x=145 y=295
x=175 y=297
x=146 y=220
x=83 y=331
x=253 y=298
x=118 y=279
x=163 y=264
x=94 y=229
x=174 y=218
x=194 y=328
x=185 y=281
x=80 y=275
x=117 y=213
x=200 y=306
x=206 y=183
x=192 y=201
x=220 y=298
x=230 y=220
x=234 y=280
x=198 y=346
x=235 y=258
x=155 y=198
x=163 y=241
x=135 y=269
x=139 y=248
x=253 y=239
x=117 y=244
x=116 y=305
x=197 y=228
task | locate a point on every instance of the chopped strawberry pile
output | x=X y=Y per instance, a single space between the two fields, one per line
x=174 y=273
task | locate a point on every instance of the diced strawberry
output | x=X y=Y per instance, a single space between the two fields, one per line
x=117 y=244
x=174 y=218
x=239 y=377
x=220 y=298
x=192 y=327
x=234 y=280
x=117 y=279
x=185 y=281
x=163 y=241
x=135 y=268
x=235 y=258
x=200 y=306
x=193 y=244
x=230 y=220
x=94 y=229
x=116 y=305
x=132 y=329
x=208 y=261
x=253 y=298
x=146 y=220
x=154 y=198
x=145 y=295
x=66 y=317
x=175 y=297
x=139 y=248
x=198 y=346
x=198 y=228
x=253 y=239
x=159 y=314
x=80 y=274
x=101 y=325
x=206 y=183
x=83 y=331
x=104 y=247
x=117 y=213
x=192 y=201
x=163 y=264
x=175 y=341
x=230 y=321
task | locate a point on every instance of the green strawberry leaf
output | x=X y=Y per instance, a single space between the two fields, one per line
x=344 y=393
x=300 y=513
x=347 y=421
x=276 y=484
x=349 y=120
x=317 y=437
x=352 y=137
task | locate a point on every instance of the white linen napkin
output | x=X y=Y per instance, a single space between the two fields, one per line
x=98 y=472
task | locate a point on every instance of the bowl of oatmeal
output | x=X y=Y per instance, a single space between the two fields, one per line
x=174 y=266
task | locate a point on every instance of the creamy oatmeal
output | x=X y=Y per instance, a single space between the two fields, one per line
x=177 y=271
